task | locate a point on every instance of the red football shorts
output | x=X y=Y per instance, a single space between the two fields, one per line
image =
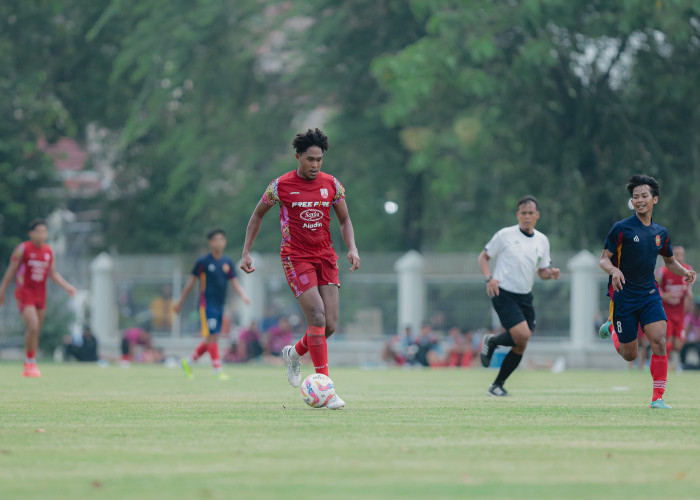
x=305 y=274
x=27 y=297
x=675 y=328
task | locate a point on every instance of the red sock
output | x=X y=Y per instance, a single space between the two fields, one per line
x=659 y=373
x=214 y=353
x=616 y=340
x=201 y=349
x=30 y=354
x=316 y=337
x=302 y=347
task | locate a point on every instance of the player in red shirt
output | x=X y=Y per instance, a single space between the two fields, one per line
x=32 y=263
x=675 y=294
x=306 y=196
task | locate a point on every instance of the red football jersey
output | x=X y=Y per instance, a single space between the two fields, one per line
x=305 y=213
x=678 y=287
x=35 y=265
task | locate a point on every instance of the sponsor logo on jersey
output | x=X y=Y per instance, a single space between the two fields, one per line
x=658 y=240
x=324 y=193
x=311 y=204
x=313 y=225
x=311 y=215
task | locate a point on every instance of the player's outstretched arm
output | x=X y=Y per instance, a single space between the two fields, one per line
x=239 y=290
x=251 y=233
x=618 y=279
x=10 y=273
x=348 y=233
x=185 y=292
x=676 y=268
x=60 y=280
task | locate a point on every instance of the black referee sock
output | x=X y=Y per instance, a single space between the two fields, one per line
x=504 y=338
x=510 y=363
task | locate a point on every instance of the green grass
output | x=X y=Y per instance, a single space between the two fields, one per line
x=148 y=433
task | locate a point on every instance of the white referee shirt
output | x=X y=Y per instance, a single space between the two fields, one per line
x=519 y=258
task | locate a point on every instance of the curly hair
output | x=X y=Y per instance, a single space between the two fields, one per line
x=641 y=180
x=315 y=137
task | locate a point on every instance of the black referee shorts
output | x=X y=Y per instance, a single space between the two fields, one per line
x=514 y=308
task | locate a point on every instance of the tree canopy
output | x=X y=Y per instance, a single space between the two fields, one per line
x=450 y=109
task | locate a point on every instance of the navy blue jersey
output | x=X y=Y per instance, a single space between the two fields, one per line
x=214 y=275
x=634 y=248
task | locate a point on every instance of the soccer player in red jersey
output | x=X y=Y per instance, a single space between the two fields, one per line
x=306 y=196
x=675 y=292
x=32 y=263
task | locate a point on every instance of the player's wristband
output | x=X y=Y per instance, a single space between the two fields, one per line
x=489 y=278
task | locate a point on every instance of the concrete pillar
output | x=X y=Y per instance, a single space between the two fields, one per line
x=254 y=286
x=103 y=303
x=585 y=274
x=411 y=291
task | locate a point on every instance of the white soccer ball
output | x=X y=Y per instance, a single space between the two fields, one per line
x=317 y=389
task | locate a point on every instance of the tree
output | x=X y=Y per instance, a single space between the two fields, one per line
x=500 y=99
x=206 y=123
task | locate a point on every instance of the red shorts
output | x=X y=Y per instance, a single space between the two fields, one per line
x=27 y=297
x=305 y=274
x=675 y=328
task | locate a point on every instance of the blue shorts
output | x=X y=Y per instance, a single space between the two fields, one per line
x=629 y=311
x=210 y=319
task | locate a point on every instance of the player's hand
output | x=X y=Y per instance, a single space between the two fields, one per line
x=247 y=264
x=689 y=277
x=555 y=272
x=246 y=300
x=618 y=279
x=71 y=290
x=354 y=258
x=492 y=287
x=178 y=307
x=2 y=299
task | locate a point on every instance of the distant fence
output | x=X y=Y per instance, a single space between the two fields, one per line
x=453 y=294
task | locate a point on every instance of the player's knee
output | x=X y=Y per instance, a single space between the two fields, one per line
x=317 y=318
x=331 y=325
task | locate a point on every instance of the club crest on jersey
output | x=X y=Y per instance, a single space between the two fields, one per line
x=324 y=192
x=658 y=240
x=226 y=268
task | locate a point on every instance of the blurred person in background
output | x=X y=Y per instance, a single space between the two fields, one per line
x=278 y=336
x=214 y=271
x=522 y=251
x=32 y=263
x=162 y=310
x=84 y=351
x=398 y=349
x=458 y=347
x=677 y=299
x=306 y=196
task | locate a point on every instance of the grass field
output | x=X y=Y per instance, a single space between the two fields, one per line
x=148 y=433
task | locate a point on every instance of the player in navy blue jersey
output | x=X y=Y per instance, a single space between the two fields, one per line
x=629 y=257
x=214 y=271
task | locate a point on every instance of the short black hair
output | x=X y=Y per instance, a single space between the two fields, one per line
x=314 y=137
x=641 y=180
x=528 y=198
x=214 y=232
x=37 y=222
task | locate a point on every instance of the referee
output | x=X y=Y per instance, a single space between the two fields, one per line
x=521 y=251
